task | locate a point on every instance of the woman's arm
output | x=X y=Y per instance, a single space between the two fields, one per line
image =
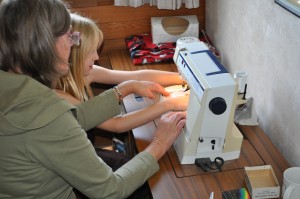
x=67 y=159
x=63 y=137
x=106 y=76
x=141 y=88
x=66 y=96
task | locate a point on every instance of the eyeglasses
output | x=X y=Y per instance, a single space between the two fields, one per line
x=75 y=37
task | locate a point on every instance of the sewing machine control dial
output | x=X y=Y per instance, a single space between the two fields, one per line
x=217 y=105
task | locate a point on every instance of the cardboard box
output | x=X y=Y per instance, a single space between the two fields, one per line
x=262 y=182
x=169 y=29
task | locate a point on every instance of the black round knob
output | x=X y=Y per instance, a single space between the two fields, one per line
x=217 y=105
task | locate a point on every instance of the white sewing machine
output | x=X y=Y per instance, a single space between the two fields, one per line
x=209 y=131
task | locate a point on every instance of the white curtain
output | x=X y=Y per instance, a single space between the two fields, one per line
x=161 y=4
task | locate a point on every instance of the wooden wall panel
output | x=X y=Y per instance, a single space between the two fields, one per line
x=125 y=29
x=89 y=3
x=105 y=14
x=82 y=3
x=118 y=22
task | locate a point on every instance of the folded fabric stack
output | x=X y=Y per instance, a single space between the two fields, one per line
x=143 y=51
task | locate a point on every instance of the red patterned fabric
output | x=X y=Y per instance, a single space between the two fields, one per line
x=143 y=51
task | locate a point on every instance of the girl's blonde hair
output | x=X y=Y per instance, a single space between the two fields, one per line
x=74 y=81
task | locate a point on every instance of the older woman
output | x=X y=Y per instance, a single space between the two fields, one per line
x=44 y=151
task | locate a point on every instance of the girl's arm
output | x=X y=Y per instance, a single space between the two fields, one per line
x=106 y=76
x=129 y=121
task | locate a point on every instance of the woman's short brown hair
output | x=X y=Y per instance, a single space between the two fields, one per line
x=28 y=32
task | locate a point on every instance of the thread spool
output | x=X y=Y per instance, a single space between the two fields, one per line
x=241 y=79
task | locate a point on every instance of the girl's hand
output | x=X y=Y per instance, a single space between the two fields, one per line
x=178 y=102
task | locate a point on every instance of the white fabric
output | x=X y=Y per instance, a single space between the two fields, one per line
x=161 y=4
x=131 y=3
x=246 y=115
x=191 y=3
x=167 y=4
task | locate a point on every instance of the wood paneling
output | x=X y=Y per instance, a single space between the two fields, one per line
x=89 y=3
x=81 y=3
x=118 y=22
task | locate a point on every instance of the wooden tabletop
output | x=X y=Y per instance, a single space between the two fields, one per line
x=174 y=180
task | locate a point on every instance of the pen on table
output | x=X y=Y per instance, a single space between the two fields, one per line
x=211 y=195
x=137 y=97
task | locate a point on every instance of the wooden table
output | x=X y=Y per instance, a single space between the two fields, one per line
x=174 y=180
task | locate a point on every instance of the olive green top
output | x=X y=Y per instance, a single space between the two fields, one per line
x=44 y=150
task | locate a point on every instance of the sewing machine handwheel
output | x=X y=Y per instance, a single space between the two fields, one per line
x=217 y=105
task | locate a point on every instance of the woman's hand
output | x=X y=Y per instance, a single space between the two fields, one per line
x=142 y=88
x=168 y=129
